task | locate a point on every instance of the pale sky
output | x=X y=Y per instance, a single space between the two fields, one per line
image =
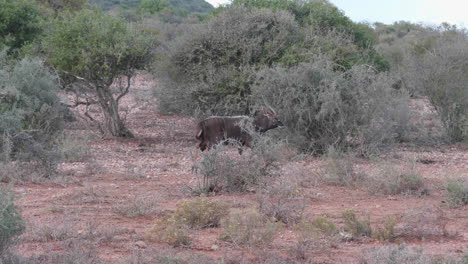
x=389 y=11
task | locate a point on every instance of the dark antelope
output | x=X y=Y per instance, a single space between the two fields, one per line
x=215 y=129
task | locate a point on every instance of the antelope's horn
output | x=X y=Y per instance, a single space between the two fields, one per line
x=269 y=106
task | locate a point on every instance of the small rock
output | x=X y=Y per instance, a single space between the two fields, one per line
x=141 y=244
x=214 y=247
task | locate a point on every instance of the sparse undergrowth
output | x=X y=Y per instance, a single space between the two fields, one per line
x=11 y=221
x=201 y=213
x=248 y=228
x=356 y=227
x=457 y=193
x=391 y=180
x=174 y=228
x=219 y=171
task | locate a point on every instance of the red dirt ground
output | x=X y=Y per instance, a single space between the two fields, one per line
x=156 y=166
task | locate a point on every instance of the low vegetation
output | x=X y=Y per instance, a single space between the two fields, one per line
x=392 y=180
x=200 y=213
x=219 y=171
x=248 y=227
x=11 y=221
x=457 y=193
x=356 y=227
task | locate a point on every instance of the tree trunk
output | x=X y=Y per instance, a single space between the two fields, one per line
x=112 y=125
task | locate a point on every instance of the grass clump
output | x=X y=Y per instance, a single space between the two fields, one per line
x=390 y=180
x=11 y=221
x=400 y=254
x=339 y=169
x=387 y=231
x=168 y=230
x=248 y=228
x=283 y=201
x=313 y=236
x=457 y=193
x=356 y=227
x=201 y=213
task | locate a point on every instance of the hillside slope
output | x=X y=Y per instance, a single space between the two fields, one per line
x=198 y=6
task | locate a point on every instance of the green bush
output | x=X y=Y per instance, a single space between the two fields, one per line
x=31 y=116
x=457 y=193
x=320 y=107
x=213 y=65
x=11 y=221
x=200 y=213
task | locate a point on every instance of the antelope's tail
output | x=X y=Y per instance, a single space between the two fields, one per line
x=199 y=134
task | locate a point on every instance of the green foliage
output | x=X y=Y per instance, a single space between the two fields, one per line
x=457 y=193
x=19 y=23
x=248 y=228
x=321 y=107
x=200 y=213
x=357 y=227
x=96 y=46
x=184 y=6
x=11 y=221
x=58 y=5
x=323 y=17
x=92 y=51
x=153 y=6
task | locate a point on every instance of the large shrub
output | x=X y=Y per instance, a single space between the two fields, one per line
x=30 y=111
x=212 y=68
x=432 y=62
x=322 y=107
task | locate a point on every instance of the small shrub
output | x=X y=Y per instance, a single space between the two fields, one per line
x=422 y=222
x=339 y=169
x=168 y=230
x=313 y=236
x=11 y=221
x=220 y=171
x=400 y=254
x=457 y=193
x=386 y=232
x=138 y=207
x=358 y=228
x=282 y=201
x=248 y=228
x=390 y=180
x=200 y=213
